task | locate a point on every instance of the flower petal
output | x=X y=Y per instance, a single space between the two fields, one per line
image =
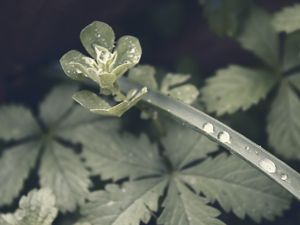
x=97 y=33
x=129 y=51
x=77 y=66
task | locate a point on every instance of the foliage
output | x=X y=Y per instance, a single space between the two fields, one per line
x=239 y=87
x=105 y=68
x=176 y=177
x=190 y=171
x=47 y=143
x=37 y=208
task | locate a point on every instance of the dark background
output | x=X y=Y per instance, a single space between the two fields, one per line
x=174 y=35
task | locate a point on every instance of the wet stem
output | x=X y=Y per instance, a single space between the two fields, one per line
x=225 y=136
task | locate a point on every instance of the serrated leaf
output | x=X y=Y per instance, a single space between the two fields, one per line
x=184 y=145
x=294 y=80
x=173 y=79
x=62 y=172
x=224 y=17
x=120 y=156
x=97 y=33
x=187 y=93
x=233 y=183
x=236 y=88
x=288 y=19
x=291 y=56
x=128 y=50
x=130 y=205
x=57 y=104
x=17 y=122
x=15 y=165
x=79 y=121
x=183 y=207
x=260 y=37
x=144 y=75
x=284 y=122
x=38 y=207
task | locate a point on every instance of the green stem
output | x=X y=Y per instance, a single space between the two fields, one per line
x=238 y=144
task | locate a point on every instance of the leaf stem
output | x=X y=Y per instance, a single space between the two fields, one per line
x=236 y=143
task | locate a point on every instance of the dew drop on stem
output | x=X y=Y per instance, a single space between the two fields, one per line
x=224 y=137
x=267 y=165
x=208 y=128
x=283 y=177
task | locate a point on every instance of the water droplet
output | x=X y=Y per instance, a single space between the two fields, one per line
x=208 y=128
x=149 y=100
x=283 y=177
x=189 y=218
x=98 y=35
x=123 y=190
x=168 y=110
x=110 y=203
x=247 y=148
x=268 y=165
x=132 y=50
x=224 y=137
x=256 y=152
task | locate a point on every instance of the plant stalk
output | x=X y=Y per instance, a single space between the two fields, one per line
x=236 y=143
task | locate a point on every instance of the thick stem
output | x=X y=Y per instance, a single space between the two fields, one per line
x=236 y=143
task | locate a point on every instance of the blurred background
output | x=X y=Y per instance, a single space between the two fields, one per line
x=174 y=34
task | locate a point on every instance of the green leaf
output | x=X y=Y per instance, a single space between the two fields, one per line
x=288 y=19
x=37 y=208
x=57 y=104
x=183 y=145
x=291 y=57
x=128 y=50
x=224 y=17
x=15 y=165
x=70 y=121
x=133 y=203
x=173 y=79
x=294 y=80
x=236 y=88
x=233 y=183
x=284 y=122
x=144 y=75
x=120 y=156
x=79 y=121
x=62 y=171
x=187 y=93
x=17 y=122
x=90 y=100
x=260 y=37
x=97 y=33
x=78 y=66
x=183 y=207
x=97 y=105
